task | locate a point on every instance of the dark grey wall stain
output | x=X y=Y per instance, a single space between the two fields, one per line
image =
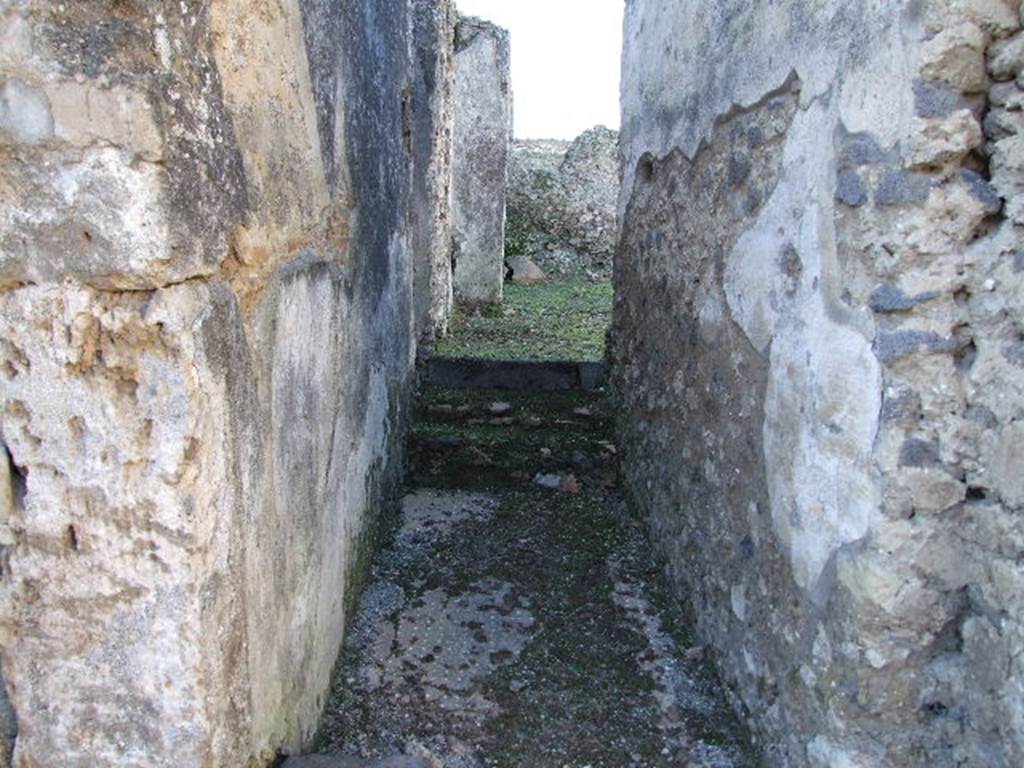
x=374 y=64
x=322 y=27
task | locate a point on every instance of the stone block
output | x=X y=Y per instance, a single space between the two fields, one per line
x=481 y=136
x=433 y=114
x=206 y=344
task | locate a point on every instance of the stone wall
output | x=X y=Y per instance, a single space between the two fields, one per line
x=817 y=343
x=434 y=109
x=8 y=726
x=562 y=201
x=206 y=323
x=483 y=124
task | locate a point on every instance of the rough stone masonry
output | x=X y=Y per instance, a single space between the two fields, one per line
x=206 y=325
x=482 y=131
x=563 y=200
x=819 y=357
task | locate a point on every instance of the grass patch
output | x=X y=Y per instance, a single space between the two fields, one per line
x=559 y=320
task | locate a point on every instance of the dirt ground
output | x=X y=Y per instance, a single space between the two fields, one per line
x=515 y=618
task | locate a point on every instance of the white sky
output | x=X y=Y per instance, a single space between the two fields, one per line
x=565 y=62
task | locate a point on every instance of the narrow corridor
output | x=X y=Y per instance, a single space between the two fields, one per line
x=514 y=618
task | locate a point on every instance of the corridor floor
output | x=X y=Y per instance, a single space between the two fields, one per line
x=514 y=618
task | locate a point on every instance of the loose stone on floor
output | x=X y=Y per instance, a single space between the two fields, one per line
x=512 y=624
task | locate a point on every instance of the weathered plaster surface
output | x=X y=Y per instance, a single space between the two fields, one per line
x=482 y=132
x=206 y=328
x=818 y=289
x=433 y=115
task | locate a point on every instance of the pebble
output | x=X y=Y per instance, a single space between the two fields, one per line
x=563 y=483
x=569 y=484
x=500 y=409
x=548 y=481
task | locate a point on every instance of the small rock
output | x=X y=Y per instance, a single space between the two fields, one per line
x=694 y=654
x=517 y=685
x=562 y=483
x=1006 y=58
x=524 y=271
x=548 y=481
x=850 y=188
x=500 y=409
x=569 y=484
x=608 y=446
x=533 y=421
x=545 y=452
x=583 y=412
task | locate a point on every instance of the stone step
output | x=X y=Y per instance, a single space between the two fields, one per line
x=348 y=761
x=475 y=373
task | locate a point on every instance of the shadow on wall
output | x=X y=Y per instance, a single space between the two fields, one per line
x=8 y=720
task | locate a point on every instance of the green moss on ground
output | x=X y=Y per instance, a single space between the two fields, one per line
x=559 y=320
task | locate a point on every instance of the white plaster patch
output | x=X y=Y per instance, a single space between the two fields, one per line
x=821 y=415
x=162 y=43
x=758 y=290
x=824 y=394
x=877 y=97
x=24 y=113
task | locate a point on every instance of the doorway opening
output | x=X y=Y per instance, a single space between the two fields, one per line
x=561 y=184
